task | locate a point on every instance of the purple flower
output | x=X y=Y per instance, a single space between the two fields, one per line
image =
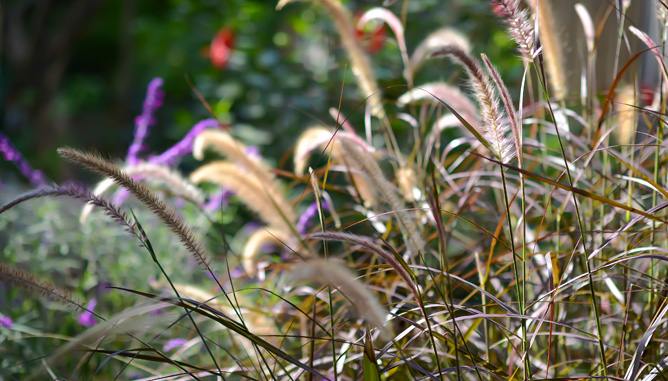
x=6 y=321
x=253 y=152
x=86 y=318
x=10 y=153
x=154 y=97
x=305 y=220
x=185 y=145
x=174 y=343
x=218 y=199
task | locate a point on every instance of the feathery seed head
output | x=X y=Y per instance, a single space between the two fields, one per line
x=331 y=273
x=495 y=129
x=142 y=193
x=30 y=283
x=227 y=145
x=519 y=24
x=361 y=67
x=255 y=243
x=435 y=41
x=262 y=197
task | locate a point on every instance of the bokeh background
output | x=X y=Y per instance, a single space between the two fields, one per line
x=74 y=72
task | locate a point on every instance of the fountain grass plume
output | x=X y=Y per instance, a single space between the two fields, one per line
x=315 y=137
x=626 y=115
x=552 y=47
x=434 y=92
x=254 y=243
x=433 y=42
x=515 y=125
x=97 y=164
x=78 y=192
x=146 y=171
x=373 y=247
x=309 y=140
x=39 y=287
x=261 y=197
x=227 y=145
x=495 y=129
x=326 y=272
x=520 y=27
x=361 y=160
x=360 y=64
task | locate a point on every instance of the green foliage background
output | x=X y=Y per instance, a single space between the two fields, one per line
x=286 y=71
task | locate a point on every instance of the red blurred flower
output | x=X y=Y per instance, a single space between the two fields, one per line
x=221 y=47
x=647 y=93
x=370 y=37
x=499 y=9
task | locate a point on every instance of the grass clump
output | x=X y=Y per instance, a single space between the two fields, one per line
x=519 y=238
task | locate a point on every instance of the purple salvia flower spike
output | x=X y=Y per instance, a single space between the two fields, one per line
x=86 y=318
x=305 y=220
x=10 y=153
x=6 y=321
x=184 y=146
x=154 y=98
x=218 y=199
x=174 y=343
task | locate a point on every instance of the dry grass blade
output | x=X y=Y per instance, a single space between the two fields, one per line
x=136 y=319
x=395 y=24
x=581 y=192
x=659 y=319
